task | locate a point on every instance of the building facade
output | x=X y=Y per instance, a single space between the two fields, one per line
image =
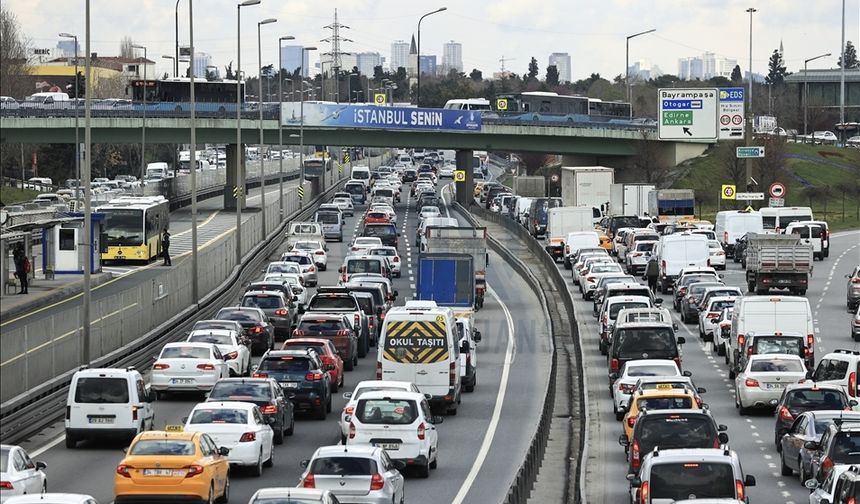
x=201 y=63
x=427 y=64
x=452 y=56
x=291 y=59
x=399 y=55
x=562 y=64
x=366 y=61
x=708 y=66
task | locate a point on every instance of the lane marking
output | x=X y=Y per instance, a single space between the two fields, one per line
x=497 y=408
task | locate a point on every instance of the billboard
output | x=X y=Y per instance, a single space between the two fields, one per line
x=346 y=115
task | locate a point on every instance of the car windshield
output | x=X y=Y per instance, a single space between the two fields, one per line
x=320 y=326
x=239 y=316
x=101 y=390
x=283 y=268
x=718 y=306
x=4 y=459
x=343 y=466
x=846 y=448
x=164 y=447
x=286 y=500
x=632 y=343
x=215 y=339
x=286 y=364
x=386 y=411
x=778 y=344
x=383 y=252
x=679 y=402
x=213 y=324
x=699 y=480
x=300 y=345
x=675 y=431
x=605 y=268
x=380 y=231
x=219 y=416
x=323 y=303
x=653 y=370
x=183 y=352
x=809 y=399
x=263 y=301
x=237 y=391
x=364 y=266
x=614 y=308
x=328 y=217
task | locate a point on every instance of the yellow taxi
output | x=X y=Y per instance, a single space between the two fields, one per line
x=661 y=398
x=606 y=242
x=173 y=466
x=477 y=191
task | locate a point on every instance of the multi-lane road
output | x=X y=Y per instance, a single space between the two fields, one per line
x=480 y=448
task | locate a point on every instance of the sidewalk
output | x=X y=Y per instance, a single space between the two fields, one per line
x=44 y=293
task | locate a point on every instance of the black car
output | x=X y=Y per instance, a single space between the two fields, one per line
x=643 y=340
x=301 y=374
x=808 y=396
x=265 y=393
x=410 y=175
x=683 y=285
x=677 y=428
x=257 y=327
x=380 y=304
x=385 y=232
x=740 y=249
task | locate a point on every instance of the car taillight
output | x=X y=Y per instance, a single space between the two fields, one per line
x=644 y=492
x=7 y=485
x=810 y=340
x=682 y=291
x=631 y=421
x=319 y=252
x=232 y=355
x=452 y=374
x=826 y=466
x=739 y=489
x=396 y=259
x=635 y=254
x=282 y=312
x=260 y=375
x=327 y=359
x=751 y=382
x=314 y=376
x=121 y=469
x=626 y=388
x=614 y=364
x=308 y=481
x=206 y=367
x=589 y=279
x=134 y=410
x=348 y=410
x=342 y=332
x=421 y=431
x=741 y=339
x=312 y=269
x=257 y=329
x=160 y=365
x=749 y=350
x=852 y=384
x=855 y=280
x=248 y=437
x=635 y=459
x=351 y=430
x=377 y=482
x=298 y=333
x=717 y=443
x=269 y=409
x=785 y=415
x=378 y=370
x=713 y=315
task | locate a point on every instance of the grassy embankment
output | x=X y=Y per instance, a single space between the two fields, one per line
x=10 y=195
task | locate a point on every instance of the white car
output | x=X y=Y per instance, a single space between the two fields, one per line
x=638 y=256
x=595 y=273
x=824 y=137
x=447 y=171
x=282 y=267
x=296 y=282
x=400 y=423
x=345 y=205
x=239 y=426
x=394 y=263
x=52 y=498
x=187 y=367
x=762 y=380
x=362 y=474
x=362 y=244
x=363 y=387
x=428 y=211
x=585 y=267
x=19 y=475
x=716 y=255
x=287 y=495
x=709 y=318
x=232 y=345
x=853 y=141
x=823 y=491
x=631 y=373
x=317 y=249
x=306 y=262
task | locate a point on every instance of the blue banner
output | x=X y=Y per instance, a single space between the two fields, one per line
x=345 y=115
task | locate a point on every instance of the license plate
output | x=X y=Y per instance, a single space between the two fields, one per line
x=774 y=385
x=164 y=472
x=101 y=420
x=387 y=446
x=289 y=384
x=182 y=381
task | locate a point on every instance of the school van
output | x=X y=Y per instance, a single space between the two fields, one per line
x=678 y=251
x=733 y=224
x=107 y=403
x=768 y=315
x=420 y=344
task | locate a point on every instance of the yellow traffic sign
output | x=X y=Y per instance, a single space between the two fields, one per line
x=728 y=191
x=501 y=104
x=459 y=175
x=238 y=191
x=749 y=208
x=379 y=98
x=301 y=191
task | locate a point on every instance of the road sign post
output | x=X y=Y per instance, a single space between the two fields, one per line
x=750 y=196
x=749 y=152
x=687 y=114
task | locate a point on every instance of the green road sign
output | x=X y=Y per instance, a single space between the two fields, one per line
x=677 y=118
x=749 y=152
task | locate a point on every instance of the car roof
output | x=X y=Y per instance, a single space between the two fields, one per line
x=273 y=492
x=181 y=435
x=364 y=451
x=394 y=394
x=648 y=362
x=405 y=385
x=187 y=344
x=672 y=392
x=225 y=405
x=685 y=454
x=814 y=386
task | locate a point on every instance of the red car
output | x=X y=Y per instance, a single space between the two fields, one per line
x=327 y=352
x=376 y=218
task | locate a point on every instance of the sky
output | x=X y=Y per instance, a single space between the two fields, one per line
x=593 y=32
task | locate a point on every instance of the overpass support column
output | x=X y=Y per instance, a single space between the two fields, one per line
x=234 y=179
x=465 y=189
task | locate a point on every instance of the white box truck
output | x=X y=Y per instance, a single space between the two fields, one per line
x=586 y=185
x=629 y=199
x=560 y=222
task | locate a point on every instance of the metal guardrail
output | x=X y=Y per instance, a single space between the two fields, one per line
x=527 y=474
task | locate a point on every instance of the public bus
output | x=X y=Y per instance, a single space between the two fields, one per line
x=553 y=107
x=174 y=94
x=133 y=227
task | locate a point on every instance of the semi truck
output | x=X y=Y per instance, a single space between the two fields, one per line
x=586 y=186
x=777 y=262
x=561 y=221
x=672 y=205
x=629 y=199
x=444 y=241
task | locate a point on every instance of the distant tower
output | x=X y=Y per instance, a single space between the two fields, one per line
x=335 y=53
x=781 y=51
x=412 y=62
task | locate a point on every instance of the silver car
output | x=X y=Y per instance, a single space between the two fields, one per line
x=306 y=262
x=361 y=474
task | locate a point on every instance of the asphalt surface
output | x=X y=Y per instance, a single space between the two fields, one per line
x=480 y=449
x=752 y=437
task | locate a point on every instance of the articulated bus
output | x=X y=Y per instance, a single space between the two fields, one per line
x=553 y=107
x=174 y=95
x=133 y=227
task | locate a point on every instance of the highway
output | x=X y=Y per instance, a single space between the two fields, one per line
x=480 y=448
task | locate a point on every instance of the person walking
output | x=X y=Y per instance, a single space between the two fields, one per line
x=165 y=247
x=652 y=272
x=22 y=268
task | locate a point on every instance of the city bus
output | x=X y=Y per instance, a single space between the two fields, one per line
x=553 y=107
x=174 y=94
x=133 y=227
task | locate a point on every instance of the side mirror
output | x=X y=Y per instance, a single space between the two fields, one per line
x=681 y=340
x=701 y=390
x=852 y=403
x=477 y=336
x=271 y=420
x=464 y=347
x=255 y=367
x=184 y=419
x=658 y=302
x=723 y=437
x=722 y=428
x=687 y=374
x=749 y=480
x=301 y=309
x=395 y=294
x=223 y=450
x=811 y=484
x=437 y=419
x=675 y=326
x=304 y=463
x=400 y=465
x=347 y=395
x=623 y=441
x=635 y=482
x=41 y=465
x=613 y=376
x=810 y=445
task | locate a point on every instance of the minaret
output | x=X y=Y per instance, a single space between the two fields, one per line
x=412 y=69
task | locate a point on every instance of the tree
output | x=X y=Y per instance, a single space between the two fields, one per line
x=228 y=72
x=850 y=56
x=737 y=75
x=552 y=75
x=775 y=69
x=533 y=70
x=126 y=49
x=378 y=73
x=647 y=160
x=14 y=47
x=476 y=75
x=719 y=81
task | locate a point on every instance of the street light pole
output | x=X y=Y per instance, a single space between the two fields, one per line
x=260 y=110
x=195 y=290
x=143 y=122
x=281 y=129
x=240 y=151
x=302 y=121
x=77 y=114
x=88 y=229
x=749 y=131
x=806 y=88
x=844 y=132
x=176 y=59
x=418 y=63
x=627 y=60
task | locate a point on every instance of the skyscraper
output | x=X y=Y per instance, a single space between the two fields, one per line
x=427 y=64
x=452 y=56
x=708 y=66
x=366 y=61
x=67 y=48
x=562 y=64
x=399 y=55
x=291 y=59
x=201 y=62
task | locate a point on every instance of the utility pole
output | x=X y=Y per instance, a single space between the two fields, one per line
x=260 y=110
x=749 y=131
x=335 y=53
x=88 y=206
x=843 y=132
x=195 y=290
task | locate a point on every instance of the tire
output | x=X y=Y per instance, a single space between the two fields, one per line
x=328 y=405
x=71 y=442
x=211 y=499
x=271 y=461
x=349 y=365
x=257 y=470
x=721 y=349
x=750 y=287
x=279 y=434
x=320 y=413
x=619 y=415
x=292 y=427
x=423 y=471
x=784 y=469
x=435 y=464
x=451 y=411
x=801 y=292
x=801 y=473
x=742 y=410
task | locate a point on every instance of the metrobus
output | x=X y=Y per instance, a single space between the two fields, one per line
x=174 y=94
x=549 y=106
x=133 y=227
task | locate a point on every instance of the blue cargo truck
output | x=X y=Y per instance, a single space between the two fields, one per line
x=447 y=279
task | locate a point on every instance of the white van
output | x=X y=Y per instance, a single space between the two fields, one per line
x=107 y=402
x=768 y=315
x=157 y=170
x=47 y=98
x=733 y=224
x=469 y=339
x=522 y=210
x=678 y=251
x=424 y=350
x=768 y=219
x=787 y=215
x=810 y=234
x=578 y=240
x=468 y=104
x=361 y=173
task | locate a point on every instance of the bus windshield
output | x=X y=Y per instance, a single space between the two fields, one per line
x=125 y=227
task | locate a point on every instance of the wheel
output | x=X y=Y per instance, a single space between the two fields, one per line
x=328 y=405
x=424 y=470
x=71 y=442
x=225 y=495
x=348 y=365
x=731 y=373
x=452 y=411
x=435 y=463
x=750 y=287
x=741 y=408
x=257 y=470
x=320 y=413
x=271 y=461
x=721 y=349
x=211 y=499
x=292 y=427
x=802 y=472
x=279 y=434
x=784 y=469
x=619 y=415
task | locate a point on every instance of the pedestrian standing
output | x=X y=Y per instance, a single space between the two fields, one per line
x=652 y=272
x=22 y=268
x=165 y=247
